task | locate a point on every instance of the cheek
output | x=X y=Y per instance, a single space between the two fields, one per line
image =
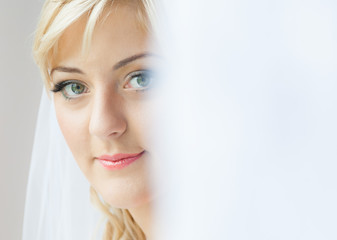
x=75 y=131
x=139 y=122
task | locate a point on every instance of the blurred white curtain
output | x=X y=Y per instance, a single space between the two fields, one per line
x=248 y=127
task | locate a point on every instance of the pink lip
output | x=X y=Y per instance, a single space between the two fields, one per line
x=118 y=161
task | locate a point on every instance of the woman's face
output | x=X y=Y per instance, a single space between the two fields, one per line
x=101 y=104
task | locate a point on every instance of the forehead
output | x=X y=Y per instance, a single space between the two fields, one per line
x=117 y=34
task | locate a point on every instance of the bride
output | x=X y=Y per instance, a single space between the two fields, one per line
x=94 y=58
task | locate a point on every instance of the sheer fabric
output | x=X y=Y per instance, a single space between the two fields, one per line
x=248 y=123
x=57 y=201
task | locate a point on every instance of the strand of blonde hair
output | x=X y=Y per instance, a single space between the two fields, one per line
x=120 y=224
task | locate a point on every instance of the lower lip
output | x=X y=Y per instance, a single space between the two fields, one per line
x=115 y=165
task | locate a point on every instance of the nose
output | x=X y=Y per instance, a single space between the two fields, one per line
x=107 y=116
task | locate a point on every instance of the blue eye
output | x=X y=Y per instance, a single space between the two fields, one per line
x=139 y=80
x=70 y=89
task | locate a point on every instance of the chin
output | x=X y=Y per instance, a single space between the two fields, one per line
x=126 y=199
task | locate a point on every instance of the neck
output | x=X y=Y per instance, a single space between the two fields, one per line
x=143 y=217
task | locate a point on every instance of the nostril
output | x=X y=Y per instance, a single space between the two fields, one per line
x=114 y=133
x=108 y=125
x=107 y=116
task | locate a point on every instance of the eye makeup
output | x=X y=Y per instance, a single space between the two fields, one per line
x=70 y=89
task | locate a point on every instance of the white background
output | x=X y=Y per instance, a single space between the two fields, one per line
x=21 y=88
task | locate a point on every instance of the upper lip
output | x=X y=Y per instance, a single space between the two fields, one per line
x=119 y=156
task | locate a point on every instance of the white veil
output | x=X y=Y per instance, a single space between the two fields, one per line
x=57 y=202
x=249 y=137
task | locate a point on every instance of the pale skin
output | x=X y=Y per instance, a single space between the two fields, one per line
x=107 y=112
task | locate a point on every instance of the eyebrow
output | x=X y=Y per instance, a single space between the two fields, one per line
x=66 y=69
x=118 y=65
x=128 y=60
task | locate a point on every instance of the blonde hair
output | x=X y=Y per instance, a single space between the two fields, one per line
x=56 y=17
x=120 y=224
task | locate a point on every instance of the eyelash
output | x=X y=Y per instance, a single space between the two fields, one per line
x=59 y=87
x=145 y=73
